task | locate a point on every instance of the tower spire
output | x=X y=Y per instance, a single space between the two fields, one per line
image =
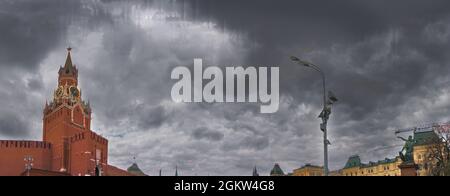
x=255 y=172
x=68 y=64
x=68 y=73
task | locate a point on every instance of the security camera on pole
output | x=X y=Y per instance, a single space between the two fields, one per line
x=326 y=111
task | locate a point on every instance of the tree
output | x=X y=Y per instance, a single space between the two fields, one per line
x=437 y=160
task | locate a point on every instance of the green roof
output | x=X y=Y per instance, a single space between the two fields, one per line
x=276 y=170
x=380 y=162
x=425 y=138
x=134 y=169
x=353 y=161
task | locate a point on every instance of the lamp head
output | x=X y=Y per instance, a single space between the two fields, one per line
x=298 y=61
x=332 y=97
x=294 y=59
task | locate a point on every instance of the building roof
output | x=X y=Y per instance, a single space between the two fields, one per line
x=425 y=138
x=276 y=170
x=308 y=166
x=134 y=169
x=353 y=161
x=115 y=171
x=380 y=162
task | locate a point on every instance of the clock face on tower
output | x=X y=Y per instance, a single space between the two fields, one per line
x=59 y=92
x=74 y=92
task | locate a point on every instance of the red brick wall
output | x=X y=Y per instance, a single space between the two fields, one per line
x=87 y=120
x=83 y=149
x=12 y=154
x=58 y=126
x=77 y=116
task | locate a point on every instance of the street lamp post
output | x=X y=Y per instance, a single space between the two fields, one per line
x=28 y=163
x=326 y=111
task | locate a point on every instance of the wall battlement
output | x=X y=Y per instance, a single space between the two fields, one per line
x=98 y=138
x=25 y=144
x=85 y=135
x=77 y=137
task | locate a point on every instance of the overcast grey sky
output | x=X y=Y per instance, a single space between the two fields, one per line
x=387 y=61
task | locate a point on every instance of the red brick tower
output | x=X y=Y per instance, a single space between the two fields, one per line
x=66 y=125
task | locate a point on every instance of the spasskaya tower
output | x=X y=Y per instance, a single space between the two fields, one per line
x=66 y=99
x=67 y=125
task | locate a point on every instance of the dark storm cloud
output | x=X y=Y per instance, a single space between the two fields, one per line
x=387 y=61
x=306 y=26
x=345 y=24
x=257 y=143
x=354 y=19
x=151 y=117
x=35 y=84
x=29 y=29
x=12 y=125
x=378 y=55
x=205 y=133
x=312 y=23
x=250 y=142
